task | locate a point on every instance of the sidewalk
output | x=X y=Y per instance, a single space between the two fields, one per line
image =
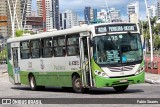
x=3 y=72
x=152 y=78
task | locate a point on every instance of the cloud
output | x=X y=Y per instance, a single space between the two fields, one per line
x=80 y=4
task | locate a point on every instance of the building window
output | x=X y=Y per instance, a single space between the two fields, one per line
x=59 y=46
x=73 y=44
x=35 y=48
x=47 y=47
x=25 y=50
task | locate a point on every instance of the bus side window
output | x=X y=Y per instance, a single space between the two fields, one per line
x=59 y=45
x=73 y=44
x=47 y=50
x=35 y=48
x=25 y=50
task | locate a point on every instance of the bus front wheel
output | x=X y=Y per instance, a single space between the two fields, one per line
x=120 y=88
x=77 y=85
x=32 y=82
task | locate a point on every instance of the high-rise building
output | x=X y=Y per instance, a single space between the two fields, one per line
x=68 y=19
x=39 y=8
x=3 y=18
x=29 y=8
x=49 y=10
x=152 y=11
x=90 y=15
x=34 y=24
x=87 y=14
x=103 y=16
x=49 y=18
x=133 y=8
x=133 y=18
x=26 y=10
x=115 y=15
x=4 y=32
x=41 y=11
x=56 y=14
x=94 y=15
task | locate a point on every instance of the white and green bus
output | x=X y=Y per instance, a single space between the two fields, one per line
x=83 y=57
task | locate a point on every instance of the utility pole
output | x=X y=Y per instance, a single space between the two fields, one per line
x=150 y=31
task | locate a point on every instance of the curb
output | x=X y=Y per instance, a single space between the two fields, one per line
x=4 y=72
x=150 y=81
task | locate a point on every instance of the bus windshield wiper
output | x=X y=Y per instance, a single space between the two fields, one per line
x=112 y=41
x=129 y=33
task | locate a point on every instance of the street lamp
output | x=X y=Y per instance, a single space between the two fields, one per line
x=150 y=31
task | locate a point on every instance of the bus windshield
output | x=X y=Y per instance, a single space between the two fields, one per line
x=117 y=48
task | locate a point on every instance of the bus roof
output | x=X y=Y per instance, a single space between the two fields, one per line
x=82 y=28
x=72 y=30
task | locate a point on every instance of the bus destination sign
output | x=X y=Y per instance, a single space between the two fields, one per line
x=115 y=28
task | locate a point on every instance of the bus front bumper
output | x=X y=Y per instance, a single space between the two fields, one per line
x=110 y=82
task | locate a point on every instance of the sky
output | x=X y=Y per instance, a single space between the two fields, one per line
x=79 y=5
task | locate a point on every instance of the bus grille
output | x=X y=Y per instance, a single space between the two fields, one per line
x=123 y=68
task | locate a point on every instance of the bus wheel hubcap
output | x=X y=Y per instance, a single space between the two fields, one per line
x=78 y=83
x=32 y=84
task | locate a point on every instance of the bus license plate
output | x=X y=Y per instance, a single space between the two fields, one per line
x=122 y=81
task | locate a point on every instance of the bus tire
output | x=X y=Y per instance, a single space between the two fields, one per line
x=77 y=84
x=32 y=83
x=120 y=88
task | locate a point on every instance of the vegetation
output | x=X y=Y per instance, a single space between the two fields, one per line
x=3 y=55
x=19 y=33
x=155 y=32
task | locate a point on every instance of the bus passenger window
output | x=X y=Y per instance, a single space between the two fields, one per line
x=73 y=44
x=25 y=50
x=59 y=46
x=47 y=47
x=35 y=48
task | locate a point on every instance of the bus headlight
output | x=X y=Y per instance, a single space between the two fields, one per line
x=100 y=73
x=140 y=69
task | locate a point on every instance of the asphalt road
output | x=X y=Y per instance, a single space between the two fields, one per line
x=94 y=96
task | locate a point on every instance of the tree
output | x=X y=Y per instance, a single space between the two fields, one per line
x=156 y=42
x=3 y=54
x=19 y=33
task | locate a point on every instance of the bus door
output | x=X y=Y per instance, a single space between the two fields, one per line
x=85 y=62
x=16 y=68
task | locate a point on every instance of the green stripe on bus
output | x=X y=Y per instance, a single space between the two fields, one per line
x=10 y=69
x=48 y=78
